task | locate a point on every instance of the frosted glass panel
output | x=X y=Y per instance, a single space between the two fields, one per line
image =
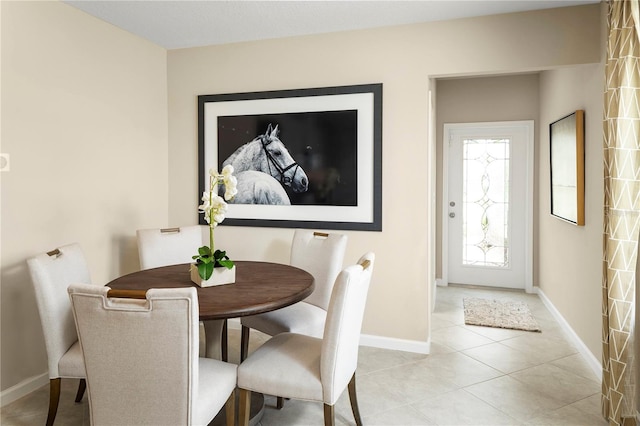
x=485 y=202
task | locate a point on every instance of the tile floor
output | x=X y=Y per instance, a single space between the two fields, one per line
x=473 y=376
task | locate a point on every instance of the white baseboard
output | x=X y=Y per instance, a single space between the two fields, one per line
x=594 y=363
x=23 y=388
x=372 y=341
x=395 y=344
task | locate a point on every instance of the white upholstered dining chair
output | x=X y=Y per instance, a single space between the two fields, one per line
x=141 y=355
x=172 y=246
x=310 y=368
x=168 y=246
x=51 y=274
x=322 y=255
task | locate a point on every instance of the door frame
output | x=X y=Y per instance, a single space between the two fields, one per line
x=446 y=138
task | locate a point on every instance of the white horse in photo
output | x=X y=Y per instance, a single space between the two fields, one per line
x=259 y=188
x=267 y=154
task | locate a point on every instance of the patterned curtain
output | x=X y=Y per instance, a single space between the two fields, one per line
x=621 y=210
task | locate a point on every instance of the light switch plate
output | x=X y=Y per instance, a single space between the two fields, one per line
x=4 y=163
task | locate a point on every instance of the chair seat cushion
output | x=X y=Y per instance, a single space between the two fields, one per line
x=71 y=365
x=302 y=317
x=216 y=381
x=287 y=365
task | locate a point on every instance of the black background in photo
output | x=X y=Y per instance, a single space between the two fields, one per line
x=324 y=144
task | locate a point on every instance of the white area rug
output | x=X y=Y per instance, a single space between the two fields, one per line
x=499 y=313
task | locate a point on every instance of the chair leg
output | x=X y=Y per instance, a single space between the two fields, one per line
x=225 y=342
x=354 y=400
x=54 y=398
x=244 y=343
x=81 y=388
x=230 y=409
x=329 y=415
x=279 y=403
x=244 y=410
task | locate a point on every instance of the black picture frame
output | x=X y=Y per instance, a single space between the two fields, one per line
x=566 y=154
x=334 y=135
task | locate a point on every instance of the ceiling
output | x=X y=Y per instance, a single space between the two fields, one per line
x=178 y=24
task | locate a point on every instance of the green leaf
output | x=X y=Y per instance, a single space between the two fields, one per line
x=226 y=263
x=204 y=251
x=205 y=270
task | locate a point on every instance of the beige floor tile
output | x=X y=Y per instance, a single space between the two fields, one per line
x=568 y=416
x=461 y=408
x=437 y=348
x=300 y=413
x=557 y=383
x=541 y=347
x=590 y=405
x=495 y=334
x=576 y=364
x=514 y=398
x=381 y=391
x=501 y=357
x=405 y=384
x=458 y=338
x=459 y=369
x=401 y=416
x=440 y=321
x=448 y=312
x=375 y=359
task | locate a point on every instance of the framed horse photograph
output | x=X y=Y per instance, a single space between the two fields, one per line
x=302 y=158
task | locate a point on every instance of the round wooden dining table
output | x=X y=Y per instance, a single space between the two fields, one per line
x=259 y=287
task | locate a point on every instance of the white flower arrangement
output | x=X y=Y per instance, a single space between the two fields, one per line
x=214 y=208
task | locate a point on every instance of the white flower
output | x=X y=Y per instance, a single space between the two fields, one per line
x=206 y=203
x=215 y=209
x=231 y=187
x=213 y=206
x=230 y=182
x=226 y=177
x=227 y=171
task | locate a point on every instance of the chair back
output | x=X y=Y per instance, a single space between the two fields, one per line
x=321 y=255
x=339 y=357
x=168 y=246
x=141 y=355
x=51 y=274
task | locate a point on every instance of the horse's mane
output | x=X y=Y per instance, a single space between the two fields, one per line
x=230 y=159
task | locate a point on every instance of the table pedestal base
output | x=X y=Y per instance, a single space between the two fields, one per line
x=256 y=411
x=213 y=338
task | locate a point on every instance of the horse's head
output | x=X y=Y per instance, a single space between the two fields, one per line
x=280 y=164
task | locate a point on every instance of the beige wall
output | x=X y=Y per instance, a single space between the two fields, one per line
x=403 y=59
x=84 y=119
x=569 y=256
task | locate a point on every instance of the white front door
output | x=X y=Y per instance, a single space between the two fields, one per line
x=487 y=201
